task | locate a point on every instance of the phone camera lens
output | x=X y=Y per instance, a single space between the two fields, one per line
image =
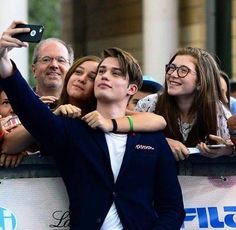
x=32 y=33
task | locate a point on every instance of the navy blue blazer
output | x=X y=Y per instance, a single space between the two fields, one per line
x=147 y=193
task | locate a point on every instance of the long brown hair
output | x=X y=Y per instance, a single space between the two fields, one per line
x=204 y=106
x=64 y=98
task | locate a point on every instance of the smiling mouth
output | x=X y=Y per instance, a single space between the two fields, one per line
x=103 y=85
x=53 y=74
x=78 y=87
x=173 y=83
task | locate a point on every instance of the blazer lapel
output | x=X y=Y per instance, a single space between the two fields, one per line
x=132 y=140
x=99 y=138
x=102 y=160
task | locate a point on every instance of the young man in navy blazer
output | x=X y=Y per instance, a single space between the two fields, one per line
x=114 y=181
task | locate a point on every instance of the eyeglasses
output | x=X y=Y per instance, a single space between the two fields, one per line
x=46 y=60
x=182 y=71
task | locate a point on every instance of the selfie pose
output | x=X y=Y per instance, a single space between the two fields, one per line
x=114 y=181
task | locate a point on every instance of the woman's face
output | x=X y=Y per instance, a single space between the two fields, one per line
x=182 y=86
x=81 y=83
x=5 y=106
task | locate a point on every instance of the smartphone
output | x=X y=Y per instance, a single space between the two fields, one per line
x=34 y=35
x=193 y=150
x=216 y=146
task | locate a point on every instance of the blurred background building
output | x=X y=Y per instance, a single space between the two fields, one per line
x=150 y=29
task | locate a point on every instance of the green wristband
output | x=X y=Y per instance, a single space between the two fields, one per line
x=131 y=123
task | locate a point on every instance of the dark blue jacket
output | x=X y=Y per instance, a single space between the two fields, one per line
x=147 y=193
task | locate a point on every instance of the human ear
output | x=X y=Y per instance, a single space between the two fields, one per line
x=33 y=70
x=132 y=89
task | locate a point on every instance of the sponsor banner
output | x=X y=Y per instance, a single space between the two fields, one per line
x=42 y=203
x=210 y=202
x=33 y=203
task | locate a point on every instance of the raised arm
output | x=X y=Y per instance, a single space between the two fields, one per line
x=7 y=42
x=134 y=121
x=33 y=113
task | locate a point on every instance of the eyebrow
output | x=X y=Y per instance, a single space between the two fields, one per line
x=114 y=68
x=81 y=67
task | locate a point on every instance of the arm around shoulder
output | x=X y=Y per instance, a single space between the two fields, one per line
x=146 y=122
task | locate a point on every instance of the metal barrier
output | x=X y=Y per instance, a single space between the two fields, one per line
x=197 y=165
x=33 y=166
x=36 y=190
x=36 y=166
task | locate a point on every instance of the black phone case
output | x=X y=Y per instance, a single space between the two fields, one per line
x=35 y=34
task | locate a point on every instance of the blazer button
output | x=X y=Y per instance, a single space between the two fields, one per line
x=99 y=220
x=114 y=194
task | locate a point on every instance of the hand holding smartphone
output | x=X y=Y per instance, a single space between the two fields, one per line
x=34 y=35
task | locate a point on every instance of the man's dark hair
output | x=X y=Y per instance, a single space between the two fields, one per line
x=127 y=63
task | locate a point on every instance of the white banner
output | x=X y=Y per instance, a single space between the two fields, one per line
x=33 y=204
x=42 y=203
x=210 y=202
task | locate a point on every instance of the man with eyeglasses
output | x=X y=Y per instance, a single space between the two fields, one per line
x=52 y=58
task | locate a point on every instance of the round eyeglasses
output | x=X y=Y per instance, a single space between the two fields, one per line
x=46 y=60
x=182 y=71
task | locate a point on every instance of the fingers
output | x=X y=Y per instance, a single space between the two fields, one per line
x=214 y=153
x=217 y=139
x=16 y=22
x=8 y=41
x=93 y=119
x=11 y=160
x=96 y=120
x=207 y=152
x=2 y=159
x=71 y=111
x=48 y=99
x=180 y=154
x=7 y=160
x=20 y=158
x=179 y=150
x=68 y=111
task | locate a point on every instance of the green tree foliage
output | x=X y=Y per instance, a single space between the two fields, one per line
x=46 y=13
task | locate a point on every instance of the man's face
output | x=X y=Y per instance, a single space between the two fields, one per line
x=50 y=74
x=111 y=85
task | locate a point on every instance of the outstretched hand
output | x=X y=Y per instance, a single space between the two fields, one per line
x=7 y=42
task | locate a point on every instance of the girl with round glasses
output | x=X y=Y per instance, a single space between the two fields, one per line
x=192 y=104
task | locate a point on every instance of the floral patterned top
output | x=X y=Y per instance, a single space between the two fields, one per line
x=148 y=104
